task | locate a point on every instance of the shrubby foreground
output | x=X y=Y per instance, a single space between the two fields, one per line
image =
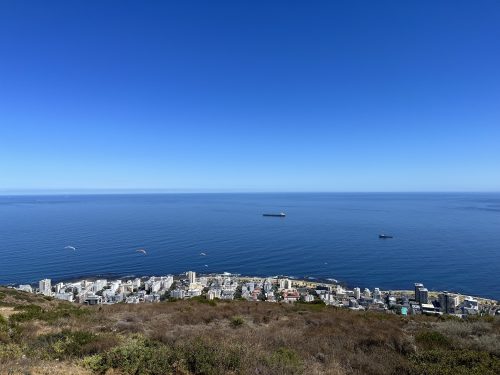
x=39 y=335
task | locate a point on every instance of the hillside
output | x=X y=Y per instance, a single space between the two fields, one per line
x=39 y=335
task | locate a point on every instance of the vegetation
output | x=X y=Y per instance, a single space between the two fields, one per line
x=40 y=336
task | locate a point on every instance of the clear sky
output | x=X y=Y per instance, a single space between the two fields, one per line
x=250 y=95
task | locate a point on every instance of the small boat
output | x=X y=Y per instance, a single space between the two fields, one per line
x=281 y=214
x=384 y=236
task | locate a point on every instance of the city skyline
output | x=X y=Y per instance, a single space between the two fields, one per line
x=249 y=97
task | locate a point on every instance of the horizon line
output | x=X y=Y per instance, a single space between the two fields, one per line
x=139 y=191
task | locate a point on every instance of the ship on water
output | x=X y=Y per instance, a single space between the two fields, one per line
x=281 y=214
x=384 y=236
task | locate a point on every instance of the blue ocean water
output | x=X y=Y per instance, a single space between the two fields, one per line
x=447 y=241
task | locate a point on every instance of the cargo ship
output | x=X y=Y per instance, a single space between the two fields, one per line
x=281 y=214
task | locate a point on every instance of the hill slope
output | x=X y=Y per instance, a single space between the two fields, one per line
x=39 y=335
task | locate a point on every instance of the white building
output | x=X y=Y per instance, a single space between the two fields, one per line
x=340 y=291
x=156 y=287
x=309 y=298
x=25 y=288
x=167 y=281
x=357 y=293
x=99 y=285
x=213 y=293
x=285 y=284
x=45 y=287
x=268 y=285
x=59 y=287
x=92 y=299
x=367 y=293
x=195 y=292
x=64 y=296
x=177 y=293
x=136 y=283
x=203 y=281
x=191 y=277
x=115 y=285
x=471 y=303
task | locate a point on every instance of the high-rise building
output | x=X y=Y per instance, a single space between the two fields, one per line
x=367 y=293
x=285 y=284
x=448 y=302
x=417 y=286
x=357 y=293
x=191 y=276
x=376 y=294
x=423 y=295
x=45 y=287
x=59 y=288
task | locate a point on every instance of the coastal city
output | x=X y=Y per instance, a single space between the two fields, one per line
x=228 y=286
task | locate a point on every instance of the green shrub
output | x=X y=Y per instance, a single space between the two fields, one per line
x=9 y=352
x=455 y=362
x=207 y=358
x=72 y=344
x=94 y=363
x=142 y=356
x=432 y=340
x=28 y=312
x=35 y=312
x=285 y=361
x=237 y=321
x=136 y=356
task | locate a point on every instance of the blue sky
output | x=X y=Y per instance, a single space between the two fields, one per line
x=250 y=95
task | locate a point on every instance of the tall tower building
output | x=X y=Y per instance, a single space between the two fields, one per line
x=285 y=284
x=191 y=276
x=447 y=302
x=357 y=293
x=423 y=295
x=417 y=286
x=45 y=287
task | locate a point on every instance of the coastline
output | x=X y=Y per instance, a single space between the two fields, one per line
x=304 y=282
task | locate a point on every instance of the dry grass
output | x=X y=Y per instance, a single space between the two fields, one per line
x=186 y=337
x=42 y=368
x=6 y=312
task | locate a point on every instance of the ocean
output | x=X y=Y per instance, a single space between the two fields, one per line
x=448 y=241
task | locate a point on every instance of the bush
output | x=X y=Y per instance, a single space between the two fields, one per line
x=35 y=312
x=9 y=352
x=285 y=361
x=136 y=356
x=94 y=363
x=432 y=340
x=211 y=358
x=143 y=356
x=237 y=321
x=72 y=344
x=455 y=362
